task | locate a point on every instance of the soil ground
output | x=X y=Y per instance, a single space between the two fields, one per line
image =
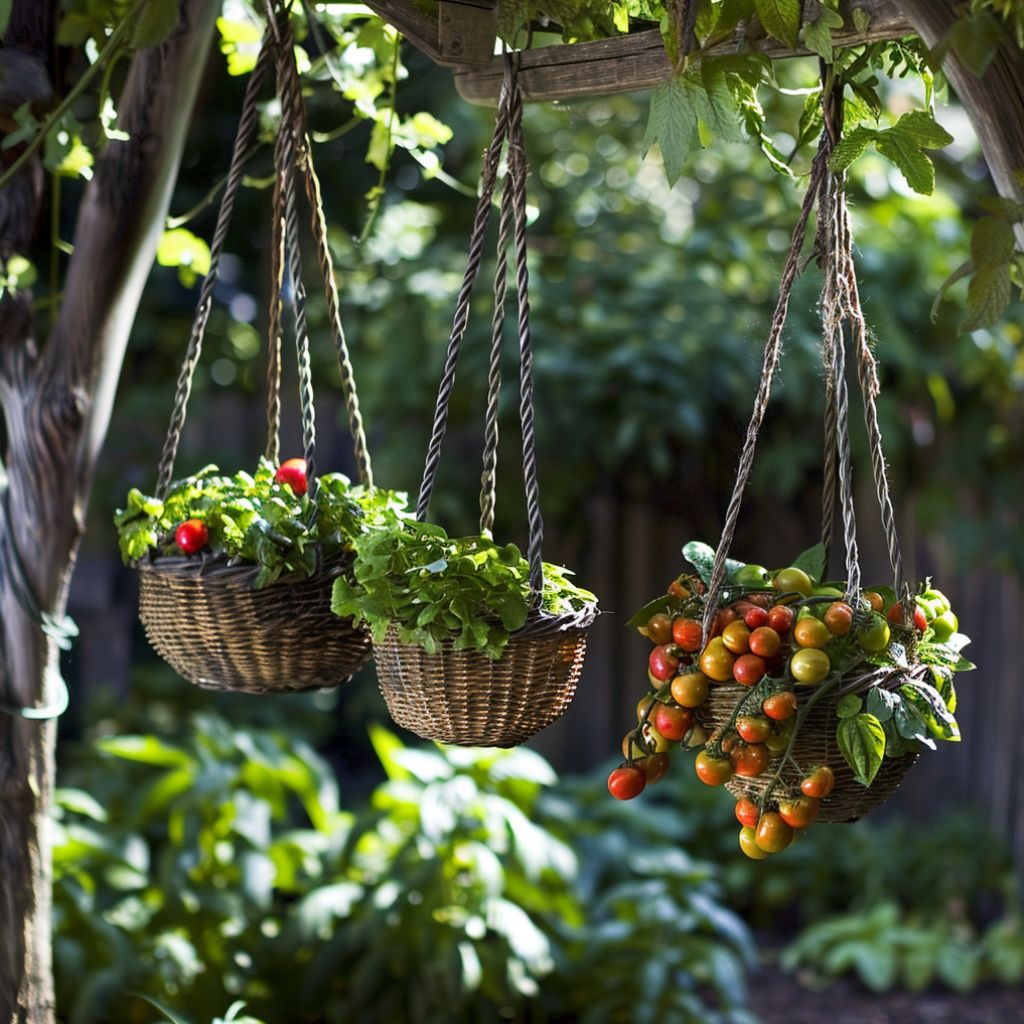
x=781 y=999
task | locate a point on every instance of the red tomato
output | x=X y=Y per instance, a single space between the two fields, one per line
x=687 y=633
x=293 y=473
x=756 y=618
x=659 y=629
x=780 y=618
x=750 y=759
x=191 y=536
x=747 y=812
x=753 y=730
x=765 y=642
x=920 y=620
x=780 y=706
x=874 y=600
x=672 y=722
x=818 y=782
x=654 y=767
x=748 y=669
x=799 y=812
x=839 y=618
x=663 y=663
x=773 y=835
x=676 y=589
x=626 y=783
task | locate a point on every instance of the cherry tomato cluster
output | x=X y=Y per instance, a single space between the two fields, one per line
x=781 y=634
x=192 y=535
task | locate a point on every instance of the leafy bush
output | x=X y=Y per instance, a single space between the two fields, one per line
x=434 y=588
x=219 y=866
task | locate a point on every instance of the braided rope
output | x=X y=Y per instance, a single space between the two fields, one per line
x=488 y=477
x=247 y=126
x=518 y=169
x=769 y=366
x=488 y=179
x=273 y=448
x=290 y=148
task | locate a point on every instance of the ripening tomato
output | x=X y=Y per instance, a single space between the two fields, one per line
x=750 y=759
x=687 y=634
x=780 y=706
x=793 y=580
x=945 y=625
x=780 y=618
x=874 y=638
x=778 y=739
x=753 y=730
x=748 y=844
x=677 y=589
x=642 y=705
x=691 y=690
x=696 y=737
x=756 y=618
x=773 y=835
x=875 y=600
x=920 y=620
x=672 y=722
x=748 y=669
x=723 y=618
x=656 y=742
x=662 y=663
x=809 y=666
x=659 y=629
x=293 y=473
x=798 y=812
x=191 y=536
x=747 y=812
x=839 y=618
x=736 y=637
x=818 y=782
x=626 y=783
x=633 y=747
x=713 y=771
x=765 y=642
x=716 y=661
x=654 y=767
x=812 y=633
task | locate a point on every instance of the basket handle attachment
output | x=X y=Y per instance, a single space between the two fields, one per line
x=508 y=134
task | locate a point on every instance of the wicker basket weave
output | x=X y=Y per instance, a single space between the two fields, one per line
x=815 y=744
x=466 y=698
x=216 y=631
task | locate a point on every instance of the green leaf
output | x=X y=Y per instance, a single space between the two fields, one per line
x=862 y=742
x=849 y=706
x=145 y=749
x=913 y=164
x=5 y=14
x=988 y=296
x=861 y=19
x=812 y=561
x=781 y=19
x=882 y=703
x=190 y=254
x=992 y=241
x=671 y=124
x=851 y=147
x=923 y=129
x=159 y=18
x=817 y=34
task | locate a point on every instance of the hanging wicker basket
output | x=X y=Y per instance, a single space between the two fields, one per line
x=464 y=697
x=816 y=745
x=200 y=613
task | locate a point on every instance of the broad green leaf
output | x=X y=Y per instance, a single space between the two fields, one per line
x=849 y=706
x=861 y=19
x=781 y=19
x=923 y=129
x=988 y=296
x=913 y=164
x=862 y=742
x=146 y=750
x=851 y=147
x=190 y=254
x=812 y=561
x=992 y=241
x=817 y=34
x=671 y=124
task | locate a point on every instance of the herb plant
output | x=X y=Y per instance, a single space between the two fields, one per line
x=252 y=518
x=434 y=588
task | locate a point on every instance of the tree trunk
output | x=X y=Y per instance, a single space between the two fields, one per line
x=56 y=401
x=994 y=100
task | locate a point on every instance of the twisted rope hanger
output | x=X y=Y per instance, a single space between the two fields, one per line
x=508 y=130
x=840 y=304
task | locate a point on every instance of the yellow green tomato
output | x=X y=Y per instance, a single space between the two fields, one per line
x=750 y=576
x=793 y=580
x=874 y=638
x=938 y=598
x=945 y=625
x=829 y=592
x=809 y=666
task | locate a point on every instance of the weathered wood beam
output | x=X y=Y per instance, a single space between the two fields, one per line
x=638 y=60
x=462 y=36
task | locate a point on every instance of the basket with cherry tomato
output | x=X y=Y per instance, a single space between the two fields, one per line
x=806 y=702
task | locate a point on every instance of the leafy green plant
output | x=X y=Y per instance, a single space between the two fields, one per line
x=434 y=588
x=251 y=518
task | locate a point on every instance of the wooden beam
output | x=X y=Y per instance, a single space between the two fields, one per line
x=638 y=61
x=467 y=32
x=419 y=28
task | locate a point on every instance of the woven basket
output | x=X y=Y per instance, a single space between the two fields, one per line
x=815 y=744
x=466 y=698
x=215 y=630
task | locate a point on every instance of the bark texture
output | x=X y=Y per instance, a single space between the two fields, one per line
x=56 y=399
